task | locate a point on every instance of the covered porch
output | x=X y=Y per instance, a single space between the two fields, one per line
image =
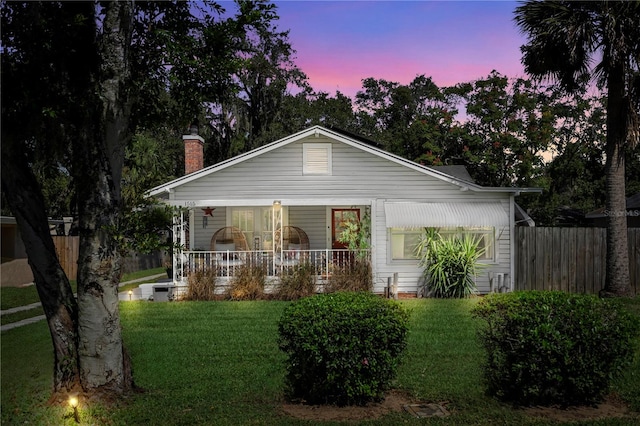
x=226 y=264
x=226 y=238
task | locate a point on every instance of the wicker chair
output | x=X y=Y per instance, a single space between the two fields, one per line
x=294 y=241
x=224 y=238
x=227 y=242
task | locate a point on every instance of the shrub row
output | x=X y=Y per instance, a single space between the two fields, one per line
x=552 y=347
x=248 y=282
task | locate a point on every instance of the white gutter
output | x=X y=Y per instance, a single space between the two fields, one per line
x=268 y=202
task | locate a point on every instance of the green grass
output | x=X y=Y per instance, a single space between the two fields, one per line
x=11 y=297
x=142 y=274
x=217 y=363
x=21 y=315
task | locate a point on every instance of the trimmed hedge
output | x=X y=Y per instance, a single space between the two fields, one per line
x=547 y=348
x=343 y=348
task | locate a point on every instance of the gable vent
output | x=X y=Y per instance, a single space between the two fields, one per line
x=316 y=158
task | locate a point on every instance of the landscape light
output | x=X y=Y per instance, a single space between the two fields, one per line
x=73 y=402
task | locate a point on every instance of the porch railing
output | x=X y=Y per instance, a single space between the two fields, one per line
x=228 y=263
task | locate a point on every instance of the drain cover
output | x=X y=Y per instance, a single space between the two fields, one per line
x=426 y=410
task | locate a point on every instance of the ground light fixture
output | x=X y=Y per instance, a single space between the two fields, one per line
x=130 y=293
x=73 y=402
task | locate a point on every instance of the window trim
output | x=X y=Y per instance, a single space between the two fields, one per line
x=391 y=232
x=492 y=230
x=258 y=229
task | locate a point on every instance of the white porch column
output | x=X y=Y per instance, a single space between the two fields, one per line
x=179 y=239
x=277 y=231
x=192 y=229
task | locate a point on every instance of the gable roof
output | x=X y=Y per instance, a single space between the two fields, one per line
x=457 y=171
x=318 y=131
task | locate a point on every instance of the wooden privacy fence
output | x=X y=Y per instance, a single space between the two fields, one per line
x=67 y=249
x=569 y=259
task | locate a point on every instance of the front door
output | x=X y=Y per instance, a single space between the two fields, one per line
x=338 y=219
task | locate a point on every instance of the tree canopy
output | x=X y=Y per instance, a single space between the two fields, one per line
x=564 y=39
x=85 y=79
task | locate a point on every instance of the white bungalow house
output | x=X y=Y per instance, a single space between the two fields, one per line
x=307 y=185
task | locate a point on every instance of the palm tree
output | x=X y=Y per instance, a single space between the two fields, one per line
x=574 y=43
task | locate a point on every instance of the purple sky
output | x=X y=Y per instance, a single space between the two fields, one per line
x=339 y=43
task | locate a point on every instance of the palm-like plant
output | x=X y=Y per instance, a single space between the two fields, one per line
x=450 y=264
x=574 y=43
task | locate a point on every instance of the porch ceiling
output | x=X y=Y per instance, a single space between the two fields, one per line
x=418 y=215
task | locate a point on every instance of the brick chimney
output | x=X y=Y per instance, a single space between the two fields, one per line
x=193 y=151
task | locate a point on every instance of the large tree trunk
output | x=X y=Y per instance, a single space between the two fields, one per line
x=617 y=278
x=103 y=362
x=26 y=201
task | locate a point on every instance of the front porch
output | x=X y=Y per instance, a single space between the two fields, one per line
x=273 y=238
x=229 y=264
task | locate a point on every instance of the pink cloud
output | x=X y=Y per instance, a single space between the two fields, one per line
x=340 y=43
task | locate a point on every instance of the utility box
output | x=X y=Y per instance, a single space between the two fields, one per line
x=162 y=293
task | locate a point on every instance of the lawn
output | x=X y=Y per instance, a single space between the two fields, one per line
x=217 y=363
x=11 y=297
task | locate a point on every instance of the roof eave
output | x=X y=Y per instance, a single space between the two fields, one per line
x=463 y=184
x=317 y=131
x=169 y=186
x=512 y=190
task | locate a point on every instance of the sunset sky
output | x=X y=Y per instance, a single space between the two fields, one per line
x=339 y=43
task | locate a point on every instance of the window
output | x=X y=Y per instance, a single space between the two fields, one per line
x=484 y=235
x=243 y=219
x=256 y=225
x=316 y=158
x=403 y=243
x=267 y=229
x=404 y=240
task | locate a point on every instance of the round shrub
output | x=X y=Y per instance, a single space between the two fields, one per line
x=342 y=348
x=547 y=348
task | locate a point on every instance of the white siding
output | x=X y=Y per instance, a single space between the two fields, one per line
x=356 y=175
x=278 y=175
x=203 y=235
x=312 y=219
x=410 y=276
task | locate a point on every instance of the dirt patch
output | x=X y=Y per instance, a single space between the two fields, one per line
x=611 y=407
x=15 y=273
x=393 y=402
